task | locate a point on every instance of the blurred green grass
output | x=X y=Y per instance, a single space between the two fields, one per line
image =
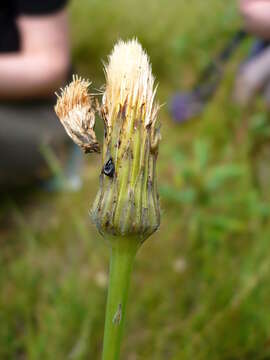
x=200 y=288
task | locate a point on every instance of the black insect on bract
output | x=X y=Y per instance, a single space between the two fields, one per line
x=109 y=168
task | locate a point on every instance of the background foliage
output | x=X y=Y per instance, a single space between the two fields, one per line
x=201 y=287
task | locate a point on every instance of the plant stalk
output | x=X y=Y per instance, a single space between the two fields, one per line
x=123 y=251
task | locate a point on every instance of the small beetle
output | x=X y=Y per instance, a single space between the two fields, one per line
x=109 y=168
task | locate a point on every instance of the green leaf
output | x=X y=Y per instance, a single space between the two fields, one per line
x=186 y=196
x=201 y=151
x=223 y=173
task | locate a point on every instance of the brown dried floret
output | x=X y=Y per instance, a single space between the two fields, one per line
x=77 y=115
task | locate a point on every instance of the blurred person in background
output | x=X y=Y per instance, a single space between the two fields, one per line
x=254 y=74
x=34 y=63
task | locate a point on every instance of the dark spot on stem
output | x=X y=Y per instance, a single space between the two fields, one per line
x=118 y=315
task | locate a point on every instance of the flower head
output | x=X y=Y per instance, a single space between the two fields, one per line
x=75 y=111
x=127 y=202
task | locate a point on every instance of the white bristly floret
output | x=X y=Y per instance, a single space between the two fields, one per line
x=129 y=79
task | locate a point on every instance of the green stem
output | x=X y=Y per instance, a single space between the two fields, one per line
x=122 y=257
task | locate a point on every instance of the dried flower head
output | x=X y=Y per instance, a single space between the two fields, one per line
x=76 y=113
